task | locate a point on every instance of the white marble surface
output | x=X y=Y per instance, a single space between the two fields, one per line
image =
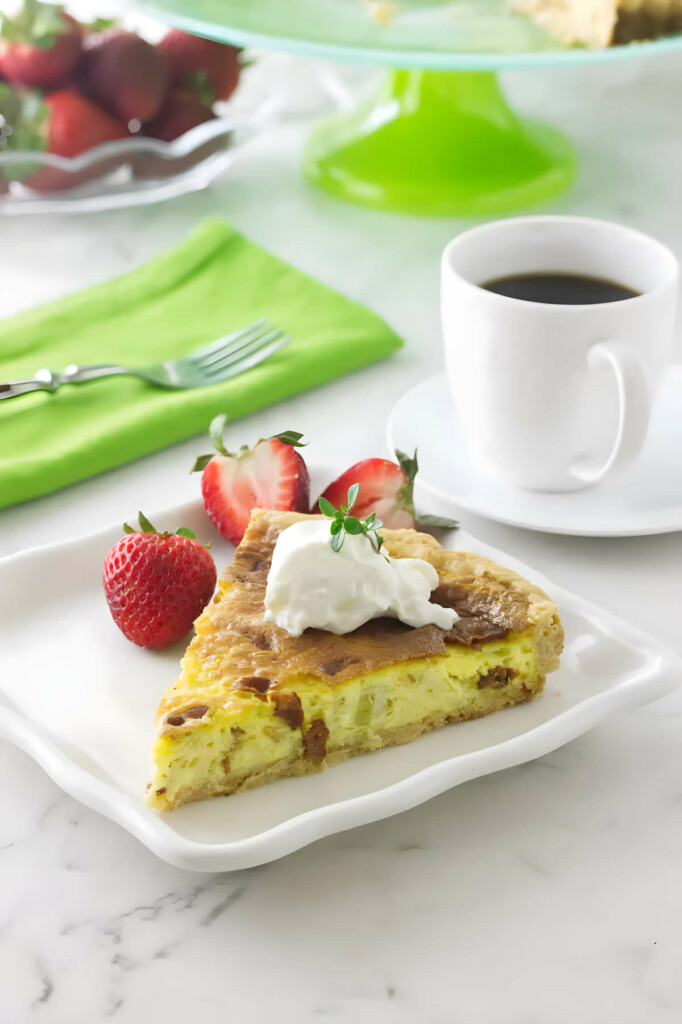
x=547 y=894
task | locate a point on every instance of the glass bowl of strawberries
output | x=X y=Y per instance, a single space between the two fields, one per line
x=96 y=116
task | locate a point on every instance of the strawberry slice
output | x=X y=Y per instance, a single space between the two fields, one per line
x=386 y=489
x=270 y=475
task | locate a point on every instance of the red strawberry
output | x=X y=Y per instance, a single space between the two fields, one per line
x=157 y=584
x=40 y=46
x=181 y=111
x=271 y=475
x=386 y=489
x=62 y=123
x=124 y=74
x=195 y=61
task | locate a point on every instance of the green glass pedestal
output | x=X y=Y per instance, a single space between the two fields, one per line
x=444 y=143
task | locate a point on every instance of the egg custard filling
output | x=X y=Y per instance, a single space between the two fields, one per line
x=254 y=703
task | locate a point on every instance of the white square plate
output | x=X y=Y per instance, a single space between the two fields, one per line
x=81 y=700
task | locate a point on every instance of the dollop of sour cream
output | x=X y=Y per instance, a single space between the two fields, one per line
x=310 y=586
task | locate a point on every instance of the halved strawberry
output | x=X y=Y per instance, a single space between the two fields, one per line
x=386 y=488
x=270 y=475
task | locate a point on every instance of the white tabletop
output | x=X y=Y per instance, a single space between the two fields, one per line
x=546 y=894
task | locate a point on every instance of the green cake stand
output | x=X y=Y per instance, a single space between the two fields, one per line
x=438 y=137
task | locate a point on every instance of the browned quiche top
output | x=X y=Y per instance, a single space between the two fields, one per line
x=233 y=640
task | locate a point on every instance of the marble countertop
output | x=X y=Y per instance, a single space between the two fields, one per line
x=545 y=894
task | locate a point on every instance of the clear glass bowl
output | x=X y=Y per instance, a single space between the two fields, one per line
x=128 y=172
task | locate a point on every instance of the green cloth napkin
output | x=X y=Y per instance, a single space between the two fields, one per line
x=215 y=282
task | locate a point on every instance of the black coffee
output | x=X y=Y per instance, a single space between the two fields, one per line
x=560 y=289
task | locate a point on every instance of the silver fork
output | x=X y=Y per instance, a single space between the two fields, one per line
x=211 y=364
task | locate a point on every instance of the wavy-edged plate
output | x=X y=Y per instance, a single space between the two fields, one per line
x=80 y=700
x=128 y=172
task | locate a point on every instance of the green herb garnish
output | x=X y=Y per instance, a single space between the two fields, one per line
x=344 y=523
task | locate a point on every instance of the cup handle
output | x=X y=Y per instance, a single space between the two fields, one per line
x=633 y=408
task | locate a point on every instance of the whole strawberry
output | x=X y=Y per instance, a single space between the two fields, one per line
x=196 y=62
x=270 y=475
x=156 y=584
x=40 y=46
x=62 y=123
x=181 y=111
x=124 y=74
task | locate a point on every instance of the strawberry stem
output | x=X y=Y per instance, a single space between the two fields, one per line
x=410 y=468
x=146 y=527
x=216 y=430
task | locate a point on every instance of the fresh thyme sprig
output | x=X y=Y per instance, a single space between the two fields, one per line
x=344 y=523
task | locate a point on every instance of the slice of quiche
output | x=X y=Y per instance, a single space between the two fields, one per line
x=254 y=703
x=592 y=23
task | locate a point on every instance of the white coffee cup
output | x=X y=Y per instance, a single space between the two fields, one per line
x=556 y=397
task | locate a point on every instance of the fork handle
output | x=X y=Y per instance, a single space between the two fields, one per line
x=45 y=380
x=80 y=374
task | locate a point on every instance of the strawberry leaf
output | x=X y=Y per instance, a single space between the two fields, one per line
x=127 y=528
x=145 y=525
x=185 y=532
x=436 y=521
x=410 y=468
x=291 y=437
x=102 y=24
x=200 y=84
x=36 y=24
x=201 y=463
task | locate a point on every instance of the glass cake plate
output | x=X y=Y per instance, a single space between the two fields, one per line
x=439 y=136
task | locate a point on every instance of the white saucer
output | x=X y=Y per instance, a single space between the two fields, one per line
x=646 y=499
